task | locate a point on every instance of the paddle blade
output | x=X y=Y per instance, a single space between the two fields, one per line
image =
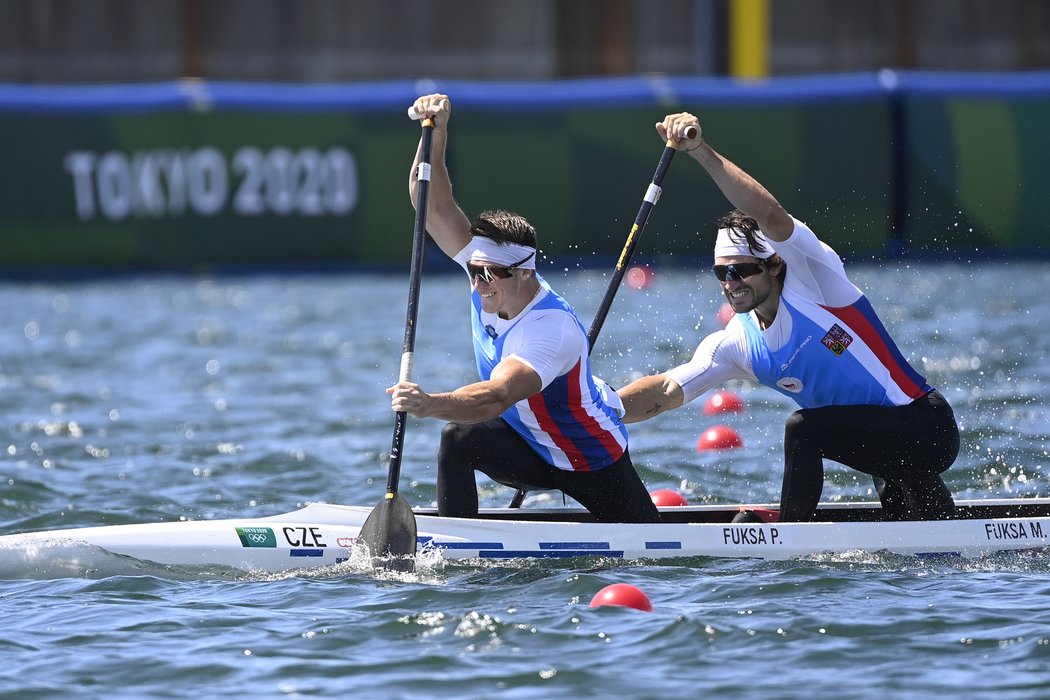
x=389 y=533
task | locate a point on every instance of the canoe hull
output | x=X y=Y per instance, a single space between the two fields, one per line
x=324 y=535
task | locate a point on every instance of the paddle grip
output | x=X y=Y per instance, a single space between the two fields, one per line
x=690 y=133
x=407 y=359
x=414 y=115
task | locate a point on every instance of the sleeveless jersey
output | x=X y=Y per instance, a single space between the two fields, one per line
x=835 y=356
x=569 y=423
x=825 y=347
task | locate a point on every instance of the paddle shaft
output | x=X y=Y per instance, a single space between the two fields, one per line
x=415 y=277
x=652 y=195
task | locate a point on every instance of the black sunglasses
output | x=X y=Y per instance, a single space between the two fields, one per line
x=737 y=271
x=489 y=273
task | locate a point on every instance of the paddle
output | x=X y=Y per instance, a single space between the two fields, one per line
x=652 y=196
x=389 y=532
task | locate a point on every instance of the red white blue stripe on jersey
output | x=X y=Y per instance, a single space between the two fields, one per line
x=574 y=432
x=834 y=356
x=568 y=423
x=861 y=317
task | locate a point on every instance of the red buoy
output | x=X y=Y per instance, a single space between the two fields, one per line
x=668 y=497
x=639 y=276
x=624 y=595
x=718 y=437
x=723 y=402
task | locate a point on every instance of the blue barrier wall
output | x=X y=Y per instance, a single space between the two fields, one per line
x=188 y=174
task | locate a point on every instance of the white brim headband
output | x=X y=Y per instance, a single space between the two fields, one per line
x=726 y=247
x=483 y=249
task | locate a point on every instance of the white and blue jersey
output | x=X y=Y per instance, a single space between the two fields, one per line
x=826 y=346
x=569 y=423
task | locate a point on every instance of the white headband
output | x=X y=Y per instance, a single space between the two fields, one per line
x=484 y=249
x=726 y=247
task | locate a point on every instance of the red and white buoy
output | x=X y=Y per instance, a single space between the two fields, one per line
x=719 y=437
x=723 y=402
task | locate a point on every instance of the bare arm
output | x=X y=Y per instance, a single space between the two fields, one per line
x=446 y=222
x=511 y=381
x=650 y=396
x=743 y=191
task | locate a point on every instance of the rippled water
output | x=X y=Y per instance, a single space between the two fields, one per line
x=159 y=398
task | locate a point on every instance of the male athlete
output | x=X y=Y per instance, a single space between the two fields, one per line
x=537 y=418
x=802 y=328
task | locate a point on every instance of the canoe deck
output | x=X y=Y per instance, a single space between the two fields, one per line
x=855 y=512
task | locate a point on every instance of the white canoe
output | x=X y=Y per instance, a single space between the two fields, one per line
x=322 y=534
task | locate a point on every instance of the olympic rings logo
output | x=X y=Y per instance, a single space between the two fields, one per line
x=256 y=537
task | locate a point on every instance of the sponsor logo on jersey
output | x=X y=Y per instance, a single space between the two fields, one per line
x=792 y=384
x=799 y=349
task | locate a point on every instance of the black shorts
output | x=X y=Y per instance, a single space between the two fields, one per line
x=614 y=493
x=904 y=447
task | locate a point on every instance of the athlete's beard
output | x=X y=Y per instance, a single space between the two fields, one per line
x=756 y=299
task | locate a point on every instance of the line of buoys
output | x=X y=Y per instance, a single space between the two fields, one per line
x=624 y=595
x=721 y=437
x=668 y=497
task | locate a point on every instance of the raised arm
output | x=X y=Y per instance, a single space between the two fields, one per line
x=743 y=191
x=446 y=222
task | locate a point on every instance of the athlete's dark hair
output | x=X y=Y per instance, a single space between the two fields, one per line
x=742 y=230
x=504 y=227
x=741 y=225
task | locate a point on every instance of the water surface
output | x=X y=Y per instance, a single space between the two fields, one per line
x=176 y=397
